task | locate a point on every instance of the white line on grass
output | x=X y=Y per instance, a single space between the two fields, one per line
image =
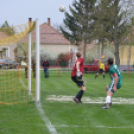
x=49 y=125
x=66 y=126
x=45 y=119
x=98 y=100
x=22 y=83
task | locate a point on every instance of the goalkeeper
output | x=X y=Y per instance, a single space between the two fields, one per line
x=101 y=69
x=76 y=76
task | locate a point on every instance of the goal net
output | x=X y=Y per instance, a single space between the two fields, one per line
x=18 y=63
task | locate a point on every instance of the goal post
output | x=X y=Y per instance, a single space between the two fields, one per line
x=29 y=58
x=20 y=63
x=37 y=62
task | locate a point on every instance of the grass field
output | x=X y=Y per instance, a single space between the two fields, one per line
x=58 y=114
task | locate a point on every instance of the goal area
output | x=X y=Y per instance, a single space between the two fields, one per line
x=19 y=63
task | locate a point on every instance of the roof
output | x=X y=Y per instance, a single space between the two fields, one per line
x=3 y=35
x=48 y=35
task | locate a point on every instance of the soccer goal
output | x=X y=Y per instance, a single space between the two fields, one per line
x=20 y=63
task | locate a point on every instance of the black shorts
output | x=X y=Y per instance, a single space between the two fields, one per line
x=78 y=81
x=101 y=71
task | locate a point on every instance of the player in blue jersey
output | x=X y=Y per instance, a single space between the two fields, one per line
x=116 y=83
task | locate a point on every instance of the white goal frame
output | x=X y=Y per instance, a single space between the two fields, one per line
x=37 y=61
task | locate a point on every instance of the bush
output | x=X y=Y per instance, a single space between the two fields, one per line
x=63 y=59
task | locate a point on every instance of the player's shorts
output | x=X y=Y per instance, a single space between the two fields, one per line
x=78 y=81
x=101 y=71
x=112 y=85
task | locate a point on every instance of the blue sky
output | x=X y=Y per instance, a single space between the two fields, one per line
x=17 y=12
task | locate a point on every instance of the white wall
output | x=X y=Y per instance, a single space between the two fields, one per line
x=56 y=49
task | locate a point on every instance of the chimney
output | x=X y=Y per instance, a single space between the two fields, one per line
x=49 y=22
x=29 y=19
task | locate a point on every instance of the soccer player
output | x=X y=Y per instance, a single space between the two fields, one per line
x=116 y=83
x=46 y=68
x=76 y=76
x=101 y=69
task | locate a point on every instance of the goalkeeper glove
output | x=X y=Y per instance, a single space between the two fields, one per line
x=79 y=73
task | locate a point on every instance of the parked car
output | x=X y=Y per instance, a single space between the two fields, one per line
x=8 y=64
x=94 y=66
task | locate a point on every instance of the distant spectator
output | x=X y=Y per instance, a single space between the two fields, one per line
x=26 y=71
x=46 y=68
x=34 y=68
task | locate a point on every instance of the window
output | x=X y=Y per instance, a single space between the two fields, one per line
x=5 y=52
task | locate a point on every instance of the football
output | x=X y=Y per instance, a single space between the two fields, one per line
x=62 y=8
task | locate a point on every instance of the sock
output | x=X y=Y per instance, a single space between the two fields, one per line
x=108 y=99
x=95 y=76
x=103 y=76
x=79 y=95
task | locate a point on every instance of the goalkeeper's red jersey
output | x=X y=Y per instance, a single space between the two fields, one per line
x=81 y=60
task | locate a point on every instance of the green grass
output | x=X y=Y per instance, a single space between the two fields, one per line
x=68 y=117
x=14 y=87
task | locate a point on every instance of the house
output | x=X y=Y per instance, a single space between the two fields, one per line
x=94 y=51
x=6 y=51
x=124 y=51
x=52 y=42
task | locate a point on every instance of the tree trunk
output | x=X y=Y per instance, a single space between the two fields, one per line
x=116 y=43
x=116 y=54
x=99 y=51
x=129 y=53
x=116 y=29
x=102 y=48
x=84 y=49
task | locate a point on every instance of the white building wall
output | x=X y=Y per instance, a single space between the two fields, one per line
x=9 y=52
x=56 y=49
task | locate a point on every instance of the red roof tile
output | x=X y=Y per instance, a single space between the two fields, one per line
x=48 y=35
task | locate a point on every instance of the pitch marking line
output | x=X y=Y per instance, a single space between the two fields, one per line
x=66 y=126
x=49 y=125
x=46 y=120
x=69 y=98
x=98 y=100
